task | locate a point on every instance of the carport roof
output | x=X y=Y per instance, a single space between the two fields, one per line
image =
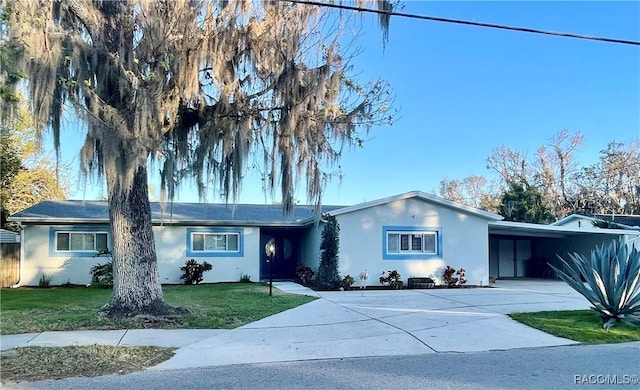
x=508 y=228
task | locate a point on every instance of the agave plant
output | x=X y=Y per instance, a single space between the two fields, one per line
x=612 y=276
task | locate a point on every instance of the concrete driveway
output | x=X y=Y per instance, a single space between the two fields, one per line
x=388 y=323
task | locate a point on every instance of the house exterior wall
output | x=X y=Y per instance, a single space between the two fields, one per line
x=311 y=239
x=463 y=240
x=37 y=259
x=171 y=247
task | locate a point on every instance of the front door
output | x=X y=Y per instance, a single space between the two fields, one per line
x=283 y=264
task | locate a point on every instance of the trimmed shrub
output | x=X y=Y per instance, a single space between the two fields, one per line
x=347 y=282
x=305 y=274
x=328 y=277
x=392 y=279
x=193 y=272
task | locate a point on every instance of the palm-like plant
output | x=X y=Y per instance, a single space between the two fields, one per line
x=612 y=276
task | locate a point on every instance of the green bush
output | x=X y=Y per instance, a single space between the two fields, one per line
x=347 y=282
x=102 y=274
x=328 y=277
x=451 y=280
x=393 y=279
x=44 y=281
x=245 y=278
x=612 y=276
x=193 y=272
x=305 y=274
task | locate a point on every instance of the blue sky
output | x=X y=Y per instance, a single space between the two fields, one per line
x=463 y=91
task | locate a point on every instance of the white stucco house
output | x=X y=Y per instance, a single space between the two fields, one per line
x=416 y=233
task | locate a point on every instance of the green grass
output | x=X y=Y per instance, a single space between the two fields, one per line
x=211 y=306
x=583 y=326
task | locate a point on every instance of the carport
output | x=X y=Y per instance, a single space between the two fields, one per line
x=523 y=250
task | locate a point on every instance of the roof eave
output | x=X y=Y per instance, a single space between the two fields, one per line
x=62 y=221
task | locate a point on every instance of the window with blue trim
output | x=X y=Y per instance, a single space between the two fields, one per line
x=81 y=241
x=214 y=242
x=411 y=242
x=414 y=242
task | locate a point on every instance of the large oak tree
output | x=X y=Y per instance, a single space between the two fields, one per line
x=201 y=86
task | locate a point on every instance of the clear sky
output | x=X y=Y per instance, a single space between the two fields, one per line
x=463 y=91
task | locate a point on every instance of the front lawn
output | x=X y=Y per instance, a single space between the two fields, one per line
x=583 y=326
x=211 y=306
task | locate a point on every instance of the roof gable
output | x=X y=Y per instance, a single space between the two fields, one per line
x=570 y=218
x=421 y=196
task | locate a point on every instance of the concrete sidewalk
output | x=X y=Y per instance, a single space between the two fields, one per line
x=352 y=324
x=124 y=337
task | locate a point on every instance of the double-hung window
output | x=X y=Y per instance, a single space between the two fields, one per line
x=411 y=242
x=214 y=242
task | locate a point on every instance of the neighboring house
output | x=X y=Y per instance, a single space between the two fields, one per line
x=9 y=258
x=415 y=233
x=575 y=221
x=9 y=237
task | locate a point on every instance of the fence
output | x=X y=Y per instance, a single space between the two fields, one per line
x=9 y=264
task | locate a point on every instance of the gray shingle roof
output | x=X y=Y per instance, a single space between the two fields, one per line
x=78 y=211
x=629 y=220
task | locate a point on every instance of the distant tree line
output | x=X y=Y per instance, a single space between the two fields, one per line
x=552 y=184
x=27 y=173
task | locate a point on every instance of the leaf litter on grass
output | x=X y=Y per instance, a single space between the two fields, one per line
x=38 y=363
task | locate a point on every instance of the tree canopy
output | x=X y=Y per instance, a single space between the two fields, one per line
x=553 y=173
x=199 y=86
x=27 y=173
x=204 y=89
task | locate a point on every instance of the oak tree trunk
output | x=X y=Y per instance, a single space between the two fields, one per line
x=136 y=281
